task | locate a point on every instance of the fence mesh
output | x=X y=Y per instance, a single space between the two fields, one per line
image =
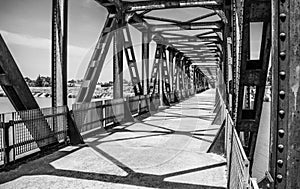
x=239 y=169
x=114 y=111
x=144 y=102
x=88 y=116
x=29 y=131
x=237 y=161
x=134 y=103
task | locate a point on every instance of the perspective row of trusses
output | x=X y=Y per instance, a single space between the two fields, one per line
x=192 y=27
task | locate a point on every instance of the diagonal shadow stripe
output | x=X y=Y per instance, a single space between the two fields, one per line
x=195 y=169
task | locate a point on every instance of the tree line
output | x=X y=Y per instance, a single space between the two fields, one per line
x=45 y=81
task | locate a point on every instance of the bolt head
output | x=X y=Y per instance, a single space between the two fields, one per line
x=280 y=162
x=279 y=177
x=282 y=55
x=282 y=17
x=281 y=112
x=281 y=93
x=282 y=73
x=281 y=132
x=282 y=36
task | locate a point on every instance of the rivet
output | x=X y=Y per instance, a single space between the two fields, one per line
x=281 y=112
x=279 y=177
x=281 y=94
x=268 y=185
x=280 y=162
x=282 y=55
x=280 y=147
x=281 y=132
x=282 y=36
x=282 y=17
x=282 y=73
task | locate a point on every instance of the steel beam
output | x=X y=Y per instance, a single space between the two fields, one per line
x=131 y=61
x=145 y=61
x=202 y=17
x=155 y=69
x=95 y=66
x=118 y=46
x=193 y=39
x=161 y=19
x=164 y=4
x=249 y=73
x=187 y=26
x=285 y=130
x=12 y=79
x=171 y=67
x=59 y=52
x=19 y=94
x=113 y=6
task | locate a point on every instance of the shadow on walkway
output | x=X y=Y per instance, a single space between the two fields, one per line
x=149 y=153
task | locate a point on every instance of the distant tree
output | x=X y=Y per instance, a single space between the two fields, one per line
x=29 y=82
x=38 y=82
x=72 y=81
x=48 y=80
x=27 y=79
x=106 y=84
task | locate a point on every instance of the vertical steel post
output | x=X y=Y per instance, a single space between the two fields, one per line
x=182 y=87
x=161 y=76
x=194 y=79
x=65 y=54
x=285 y=136
x=234 y=59
x=6 y=143
x=59 y=55
x=230 y=79
x=118 y=59
x=171 y=68
x=54 y=51
x=59 y=52
x=145 y=62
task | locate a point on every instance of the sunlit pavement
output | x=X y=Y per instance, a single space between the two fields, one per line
x=165 y=150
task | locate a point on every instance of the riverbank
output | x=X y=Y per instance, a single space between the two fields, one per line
x=43 y=96
x=100 y=92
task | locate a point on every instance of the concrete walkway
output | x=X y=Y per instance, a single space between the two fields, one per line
x=165 y=150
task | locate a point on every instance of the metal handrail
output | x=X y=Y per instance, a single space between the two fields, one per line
x=238 y=163
x=21 y=133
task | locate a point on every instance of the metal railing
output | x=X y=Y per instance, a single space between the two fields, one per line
x=25 y=132
x=237 y=161
x=100 y=114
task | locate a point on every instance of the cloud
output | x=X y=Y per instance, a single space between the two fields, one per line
x=38 y=42
x=88 y=3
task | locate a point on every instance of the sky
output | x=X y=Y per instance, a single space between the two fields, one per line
x=25 y=26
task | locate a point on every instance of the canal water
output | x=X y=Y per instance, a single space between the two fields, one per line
x=6 y=106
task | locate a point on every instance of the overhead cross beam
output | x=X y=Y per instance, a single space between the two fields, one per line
x=137 y=20
x=187 y=26
x=165 y=4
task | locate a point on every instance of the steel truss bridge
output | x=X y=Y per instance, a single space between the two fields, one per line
x=209 y=45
